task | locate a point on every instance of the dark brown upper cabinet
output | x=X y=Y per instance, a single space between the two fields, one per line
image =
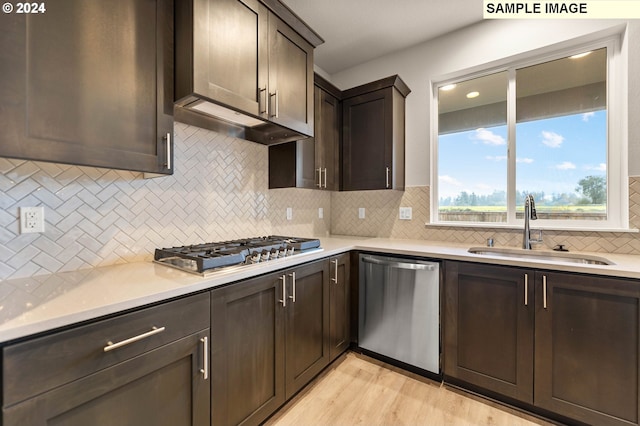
x=373 y=133
x=328 y=112
x=314 y=162
x=243 y=68
x=89 y=83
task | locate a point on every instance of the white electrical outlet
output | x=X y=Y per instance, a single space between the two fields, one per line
x=361 y=213
x=405 y=213
x=320 y=213
x=31 y=219
x=289 y=213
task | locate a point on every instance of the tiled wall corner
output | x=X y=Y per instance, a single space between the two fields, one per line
x=98 y=217
x=381 y=213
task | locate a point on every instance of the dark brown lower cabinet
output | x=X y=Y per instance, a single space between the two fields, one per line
x=147 y=367
x=488 y=335
x=247 y=351
x=162 y=387
x=270 y=337
x=585 y=363
x=340 y=305
x=587 y=347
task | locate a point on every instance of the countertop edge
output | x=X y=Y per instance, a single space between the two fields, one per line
x=105 y=291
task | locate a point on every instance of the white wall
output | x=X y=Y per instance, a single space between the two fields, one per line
x=479 y=46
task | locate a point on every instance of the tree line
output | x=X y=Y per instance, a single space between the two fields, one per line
x=590 y=190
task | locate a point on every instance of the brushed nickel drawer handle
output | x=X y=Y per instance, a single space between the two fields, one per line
x=111 y=346
x=205 y=358
x=293 y=280
x=335 y=272
x=168 y=139
x=283 y=278
x=526 y=289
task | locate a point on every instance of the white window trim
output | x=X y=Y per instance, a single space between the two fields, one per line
x=617 y=140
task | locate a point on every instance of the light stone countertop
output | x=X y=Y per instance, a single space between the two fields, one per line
x=34 y=305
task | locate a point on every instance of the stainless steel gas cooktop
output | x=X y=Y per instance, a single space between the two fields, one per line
x=207 y=258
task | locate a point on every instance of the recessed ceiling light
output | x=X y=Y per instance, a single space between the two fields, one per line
x=580 y=55
x=448 y=87
x=472 y=95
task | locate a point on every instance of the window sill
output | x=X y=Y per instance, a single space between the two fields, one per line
x=533 y=226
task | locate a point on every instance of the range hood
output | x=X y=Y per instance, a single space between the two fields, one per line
x=207 y=114
x=224 y=75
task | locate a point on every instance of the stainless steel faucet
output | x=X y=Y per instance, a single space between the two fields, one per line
x=529 y=214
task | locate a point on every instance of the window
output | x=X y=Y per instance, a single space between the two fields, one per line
x=541 y=128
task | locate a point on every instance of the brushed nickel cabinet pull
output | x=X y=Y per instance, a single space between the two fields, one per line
x=283 y=278
x=335 y=272
x=111 y=346
x=260 y=103
x=205 y=358
x=325 y=178
x=544 y=291
x=388 y=170
x=526 y=289
x=277 y=108
x=293 y=280
x=319 y=177
x=168 y=139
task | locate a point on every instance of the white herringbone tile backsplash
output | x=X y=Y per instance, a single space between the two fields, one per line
x=219 y=191
x=381 y=220
x=98 y=217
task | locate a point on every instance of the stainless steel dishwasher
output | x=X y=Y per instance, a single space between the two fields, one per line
x=400 y=310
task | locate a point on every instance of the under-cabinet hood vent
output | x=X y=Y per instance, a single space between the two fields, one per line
x=244 y=69
x=209 y=115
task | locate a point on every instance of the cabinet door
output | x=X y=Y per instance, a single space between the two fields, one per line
x=290 y=78
x=489 y=328
x=327 y=140
x=367 y=141
x=164 y=386
x=89 y=83
x=307 y=324
x=587 y=348
x=247 y=351
x=230 y=53
x=339 y=309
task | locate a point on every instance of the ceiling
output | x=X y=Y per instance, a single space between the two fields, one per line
x=357 y=31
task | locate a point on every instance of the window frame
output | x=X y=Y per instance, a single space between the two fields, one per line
x=617 y=144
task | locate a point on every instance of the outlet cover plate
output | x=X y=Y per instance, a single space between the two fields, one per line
x=405 y=213
x=31 y=219
x=360 y=212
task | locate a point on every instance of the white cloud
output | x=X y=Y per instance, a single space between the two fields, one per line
x=587 y=115
x=449 y=180
x=602 y=167
x=524 y=160
x=567 y=165
x=504 y=158
x=487 y=137
x=551 y=139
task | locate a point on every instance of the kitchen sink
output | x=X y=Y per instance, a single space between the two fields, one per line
x=558 y=256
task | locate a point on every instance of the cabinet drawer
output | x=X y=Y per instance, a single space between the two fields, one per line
x=41 y=364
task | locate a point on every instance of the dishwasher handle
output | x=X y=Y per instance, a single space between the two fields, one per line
x=400 y=265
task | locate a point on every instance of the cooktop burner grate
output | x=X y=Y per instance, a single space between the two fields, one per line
x=200 y=258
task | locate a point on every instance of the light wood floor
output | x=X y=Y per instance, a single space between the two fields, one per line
x=358 y=390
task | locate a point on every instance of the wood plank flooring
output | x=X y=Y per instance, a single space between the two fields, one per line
x=358 y=390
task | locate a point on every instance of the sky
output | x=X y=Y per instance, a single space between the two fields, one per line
x=552 y=155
